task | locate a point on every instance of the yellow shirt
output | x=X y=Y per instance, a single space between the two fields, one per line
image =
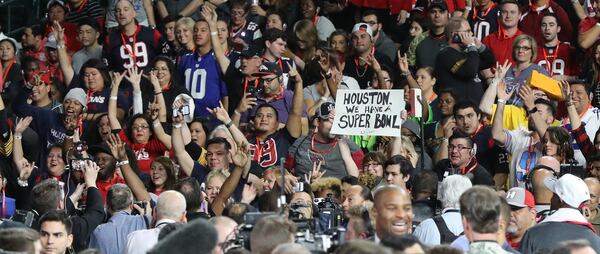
x=513 y=117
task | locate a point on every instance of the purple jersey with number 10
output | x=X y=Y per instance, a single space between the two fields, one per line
x=202 y=78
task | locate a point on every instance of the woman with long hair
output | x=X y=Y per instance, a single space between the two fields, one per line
x=557 y=143
x=162 y=175
x=339 y=40
x=165 y=83
x=184 y=28
x=305 y=34
x=436 y=131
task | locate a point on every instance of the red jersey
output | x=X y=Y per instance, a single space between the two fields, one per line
x=501 y=45
x=145 y=153
x=393 y=5
x=561 y=60
x=103 y=186
x=39 y=54
x=531 y=21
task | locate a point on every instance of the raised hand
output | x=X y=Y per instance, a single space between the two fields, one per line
x=134 y=76
x=449 y=127
x=209 y=14
x=59 y=33
x=71 y=122
x=315 y=174
x=91 y=173
x=247 y=102
x=527 y=95
x=501 y=70
x=249 y=193
x=293 y=73
x=117 y=77
x=220 y=113
x=565 y=89
x=23 y=124
x=178 y=118
x=501 y=91
x=154 y=81
x=25 y=168
x=117 y=147
x=154 y=109
x=240 y=157
x=403 y=63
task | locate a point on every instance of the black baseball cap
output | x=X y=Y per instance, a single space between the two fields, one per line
x=251 y=51
x=440 y=4
x=324 y=109
x=268 y=68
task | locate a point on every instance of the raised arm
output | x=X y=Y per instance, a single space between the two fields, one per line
x=405 y=70
x=63 y=57
x=117 y=148
x=185 y=160
x=149 y=8
x=112 y=102
x=529 y=100
x=160 y=98
x=221 y=114
x=351 y=167
x=18 y=157
x=573 y=115
x=157 y=129
x=487 y=101
x=242 y=167
x=497 y=129
x=589 y=37
x=442 y=152
x=294 y=122
x=211 y=17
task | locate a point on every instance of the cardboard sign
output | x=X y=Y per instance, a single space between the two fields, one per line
x=368 y=112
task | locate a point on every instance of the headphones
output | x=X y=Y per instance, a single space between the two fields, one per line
x=474 y=150
x=367 y=220
x=529 y=176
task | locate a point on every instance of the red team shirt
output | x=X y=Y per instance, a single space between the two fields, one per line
x=558 y=62
x=531 y=20
x=501 y=45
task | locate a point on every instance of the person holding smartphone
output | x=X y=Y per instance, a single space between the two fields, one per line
x=459 y=64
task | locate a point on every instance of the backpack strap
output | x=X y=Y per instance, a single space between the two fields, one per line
x=446 y=236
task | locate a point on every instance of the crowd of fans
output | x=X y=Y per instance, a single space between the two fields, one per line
x=204 y=126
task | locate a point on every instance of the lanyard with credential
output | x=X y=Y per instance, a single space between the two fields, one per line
x=132 y=51
x=553 y=56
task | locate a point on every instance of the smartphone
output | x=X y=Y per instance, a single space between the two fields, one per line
x=299 y=187
x=185 y=110
x=251 y=90
x=456 y=38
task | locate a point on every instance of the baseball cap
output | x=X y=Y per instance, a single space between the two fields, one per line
x=364 y=27
x=570 y=189
x=99 y=148
x=51 y=42
x=251 y=51
x=268 y=68
x=413 y=127
x=441 y=4
x=324 y=109
x=520 y=197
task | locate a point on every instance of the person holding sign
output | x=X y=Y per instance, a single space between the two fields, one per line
x=339 y=157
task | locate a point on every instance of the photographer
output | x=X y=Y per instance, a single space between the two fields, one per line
x=48 y=196
x=459 y=64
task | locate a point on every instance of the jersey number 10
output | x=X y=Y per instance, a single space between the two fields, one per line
x=192 y=82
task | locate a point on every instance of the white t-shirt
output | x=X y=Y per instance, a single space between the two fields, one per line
x=524 y=154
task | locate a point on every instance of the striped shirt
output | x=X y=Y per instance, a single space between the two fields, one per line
x=87 y=9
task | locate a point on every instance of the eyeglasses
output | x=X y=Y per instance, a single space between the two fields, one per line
x=524 y=48
x=459 y=147
x=140 y=127
x=268 y=80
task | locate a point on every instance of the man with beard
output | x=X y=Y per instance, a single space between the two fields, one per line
x=522 y=214
x=337 y=157
x=52 y=127
x=383 y=43
x=364 y=62
x=525 y=146
x=107 y=176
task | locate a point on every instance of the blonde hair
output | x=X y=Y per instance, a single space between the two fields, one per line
x=532 y=43
x=185 y=21
x=217 y=173
x=326 y=183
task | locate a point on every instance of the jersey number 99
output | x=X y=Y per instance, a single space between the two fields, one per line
x=140 y=55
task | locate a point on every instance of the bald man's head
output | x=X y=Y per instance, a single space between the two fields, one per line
x=550 y=162
x=170 y=205
x=392 y=211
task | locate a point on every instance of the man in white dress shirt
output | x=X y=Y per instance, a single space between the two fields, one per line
x=170 y=208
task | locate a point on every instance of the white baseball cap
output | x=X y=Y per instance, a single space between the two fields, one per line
x=570 y=189
x=364 y=27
